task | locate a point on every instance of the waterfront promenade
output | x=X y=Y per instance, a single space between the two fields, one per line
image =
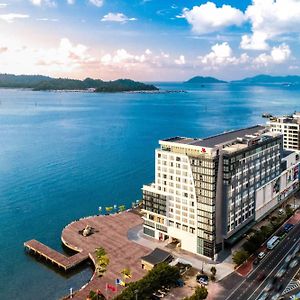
x=110 y=232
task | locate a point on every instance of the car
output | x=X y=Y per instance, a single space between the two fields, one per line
x=261 y=255
x=263 y=296
x=275 y=297
x=293 y=263
x=287 y=227
x=268 y=287
x=256 y=261
x=202 y=279
x=281 y=272
x=280 y=211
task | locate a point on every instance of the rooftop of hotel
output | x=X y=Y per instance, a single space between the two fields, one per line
x=223 y=138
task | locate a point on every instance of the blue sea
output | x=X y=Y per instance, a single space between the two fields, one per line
x=62 y=155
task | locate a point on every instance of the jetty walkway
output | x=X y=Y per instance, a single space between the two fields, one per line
x=109 y=232
x=65 y=262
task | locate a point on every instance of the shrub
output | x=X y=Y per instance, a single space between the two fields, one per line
x=200 y=294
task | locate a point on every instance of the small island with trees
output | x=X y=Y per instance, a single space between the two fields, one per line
x=204 y=80
x=45 y=83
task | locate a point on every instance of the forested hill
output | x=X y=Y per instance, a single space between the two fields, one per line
x=45 y=83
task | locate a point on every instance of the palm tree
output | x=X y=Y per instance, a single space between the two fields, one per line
x=126 y=272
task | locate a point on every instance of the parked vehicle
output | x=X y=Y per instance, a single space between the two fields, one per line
x=202 y=279
x=256 y=261
x=288 y=227
x=280 y=211
x=273 y=242
x=261 y=255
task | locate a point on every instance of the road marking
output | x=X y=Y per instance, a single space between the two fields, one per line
x=235 y=289
x=273 y=270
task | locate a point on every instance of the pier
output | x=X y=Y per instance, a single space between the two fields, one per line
x=109 y=232
x=62 y=261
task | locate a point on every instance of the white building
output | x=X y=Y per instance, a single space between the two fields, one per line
x=289 y=127
x=204 y=193
x=273 y=194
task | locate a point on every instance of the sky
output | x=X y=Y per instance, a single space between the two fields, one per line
x=150 y=40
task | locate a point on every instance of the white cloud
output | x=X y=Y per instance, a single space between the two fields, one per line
x=49 y=3
x=47 y=20
x=180 y=60
x=269 y=19
x=97 y=3
x=277 y=55
x=208 y=17
x=10 y=18
x=121 y=56
x=116 y=17
x=222 y=55
x=3 y=5
x=62 y=60
x=71 y=2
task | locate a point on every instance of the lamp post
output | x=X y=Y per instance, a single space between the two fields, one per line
x=71 y=293
x=100 y=209
x=136 y=294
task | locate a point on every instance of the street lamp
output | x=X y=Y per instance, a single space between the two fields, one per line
x=136 y=294
x=100 y=209
x=71 y=293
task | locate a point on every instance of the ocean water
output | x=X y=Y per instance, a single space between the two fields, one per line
x=62 y=155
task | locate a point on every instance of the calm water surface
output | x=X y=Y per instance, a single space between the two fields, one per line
x=62 y=155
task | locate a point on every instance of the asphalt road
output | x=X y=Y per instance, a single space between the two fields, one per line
x=251 y=287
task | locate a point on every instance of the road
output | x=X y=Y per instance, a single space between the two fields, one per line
x=252 y=286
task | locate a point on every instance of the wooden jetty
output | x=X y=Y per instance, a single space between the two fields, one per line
x=65 y=262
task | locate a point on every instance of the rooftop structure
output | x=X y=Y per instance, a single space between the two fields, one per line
x=245 y=134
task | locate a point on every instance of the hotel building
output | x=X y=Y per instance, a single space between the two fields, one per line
x=289 y=127
x=205 y=190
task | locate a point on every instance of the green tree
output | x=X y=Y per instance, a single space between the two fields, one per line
x=122 y=207
x=160 y=275
x=240 y=256
x=200 y=294
x=289 y=210
x=213 y=271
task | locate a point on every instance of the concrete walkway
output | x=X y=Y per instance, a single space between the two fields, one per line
x=224 y=268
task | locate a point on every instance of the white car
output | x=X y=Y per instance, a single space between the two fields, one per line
x=263 y=296
x=261 y=255
x=268 y=287
x=281 y=272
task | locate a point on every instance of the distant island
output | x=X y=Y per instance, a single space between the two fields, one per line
x=204 y=80
x=45 y=83
x=261 y=79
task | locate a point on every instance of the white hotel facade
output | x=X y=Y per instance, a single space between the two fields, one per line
x=209 y=191
x=289 y=127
